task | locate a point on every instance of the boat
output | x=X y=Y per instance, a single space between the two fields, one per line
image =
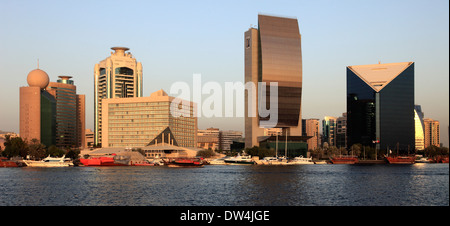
x=344 y=159
x=103 y=161
x=184 y=162
x=300 y=161
x=441 y=159
x=239 y=160
x=401 y=159
x=4 y=162
x=218 y=162
x=423 y=160
x=50 y=162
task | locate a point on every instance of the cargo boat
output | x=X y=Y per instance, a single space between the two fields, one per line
x=101 y=161
x=4 y=162
x=184 y=162
x=344 y=159
x=401 y=159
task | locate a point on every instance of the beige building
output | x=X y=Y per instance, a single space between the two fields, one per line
x=143 y=121
x=432 y=132
x=208 y=138
x=117 y=76
x=311 y=128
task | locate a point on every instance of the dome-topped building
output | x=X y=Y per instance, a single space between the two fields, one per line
x=38 y=78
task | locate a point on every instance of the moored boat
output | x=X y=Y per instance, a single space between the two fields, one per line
x=102 y=161
x=401 y=159
x=239 y=160
x=4 y=162
x=50 y=162
x=184 y=162
x=344 y=159
x=300 y=161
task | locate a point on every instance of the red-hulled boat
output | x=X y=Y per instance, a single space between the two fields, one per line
x=4 y=162
x=101 y=161
x=184 y=162
x=344 y=159
x=441 y=159
x=401 y=159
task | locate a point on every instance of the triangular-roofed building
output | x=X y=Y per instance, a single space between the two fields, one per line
x=380 y=106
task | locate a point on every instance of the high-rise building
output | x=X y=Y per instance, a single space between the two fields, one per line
x=341 y=131
x=329 y=130
x=142 y=121
x=37 y=109
x=273 y=54
x=117 y=76
x=380 y=105
x=432 y=133
x=419 y=128
x=70 y=112
x=310 y=128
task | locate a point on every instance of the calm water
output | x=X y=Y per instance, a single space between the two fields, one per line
x=310 y=185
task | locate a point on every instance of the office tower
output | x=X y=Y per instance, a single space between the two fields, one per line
x=329 y=130
x=273 y=54
x=227 y=137
x=70 y=112
x=117 y=76
x=419 y=128
x=37 y=110
x=142 y=121
x=432 y=133
x=380 y=106
x=310 y=128
x=341 y=131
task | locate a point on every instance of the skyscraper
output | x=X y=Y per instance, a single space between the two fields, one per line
x=273 y=54
x=70 y=112
x=380 y=105
x=37 y=109
x=117 y=76
x=329 y=130
x=432 y=132
x=419 y=128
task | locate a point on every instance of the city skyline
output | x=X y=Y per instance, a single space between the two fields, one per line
x=176 y=39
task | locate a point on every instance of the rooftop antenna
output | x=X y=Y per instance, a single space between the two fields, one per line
x=38 y=63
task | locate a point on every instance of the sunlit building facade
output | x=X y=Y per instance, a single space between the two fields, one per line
x=432 y=132
x=419 y=128
x=117 y=76
x=273 y=54
x=380 y=106
x=142 y=121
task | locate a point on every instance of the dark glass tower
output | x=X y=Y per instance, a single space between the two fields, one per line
x=380 y=106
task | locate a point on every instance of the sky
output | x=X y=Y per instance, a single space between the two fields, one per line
x=176 y=39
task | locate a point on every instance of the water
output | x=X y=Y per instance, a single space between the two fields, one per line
x=213 y=185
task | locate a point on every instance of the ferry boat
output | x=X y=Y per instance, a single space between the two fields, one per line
x=300 y=161
x=239 y=160
x=401 y=159
x=184 y=162
x=102 y=161
x=344 y=159
x=50 y=162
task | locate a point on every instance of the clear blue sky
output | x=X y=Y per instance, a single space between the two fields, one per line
x=174 y=39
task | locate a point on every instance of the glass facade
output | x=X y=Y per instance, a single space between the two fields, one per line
x=48 y=119
x=384 y=114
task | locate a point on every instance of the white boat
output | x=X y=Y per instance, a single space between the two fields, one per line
x=239 y=160
x=273 y=161
x=50 y=162
x=300 y=161
x=423 y=160
x=220 y=161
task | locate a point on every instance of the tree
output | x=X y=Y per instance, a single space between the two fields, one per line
x=36 y=149
x=15 y=147
x=262 y=152
x=54 y=151
x=206 y=153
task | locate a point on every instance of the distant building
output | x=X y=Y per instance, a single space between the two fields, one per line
x=227 y=137
x=143 y=121
x=117 y=76
x=37 y=110
x=208 y=138
x=89 y=140
x=310 y=127
x=432 y=132
x=70 y=113
x=341 y=131
x=419 y=128
x=329 y=130
x=380 y=105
